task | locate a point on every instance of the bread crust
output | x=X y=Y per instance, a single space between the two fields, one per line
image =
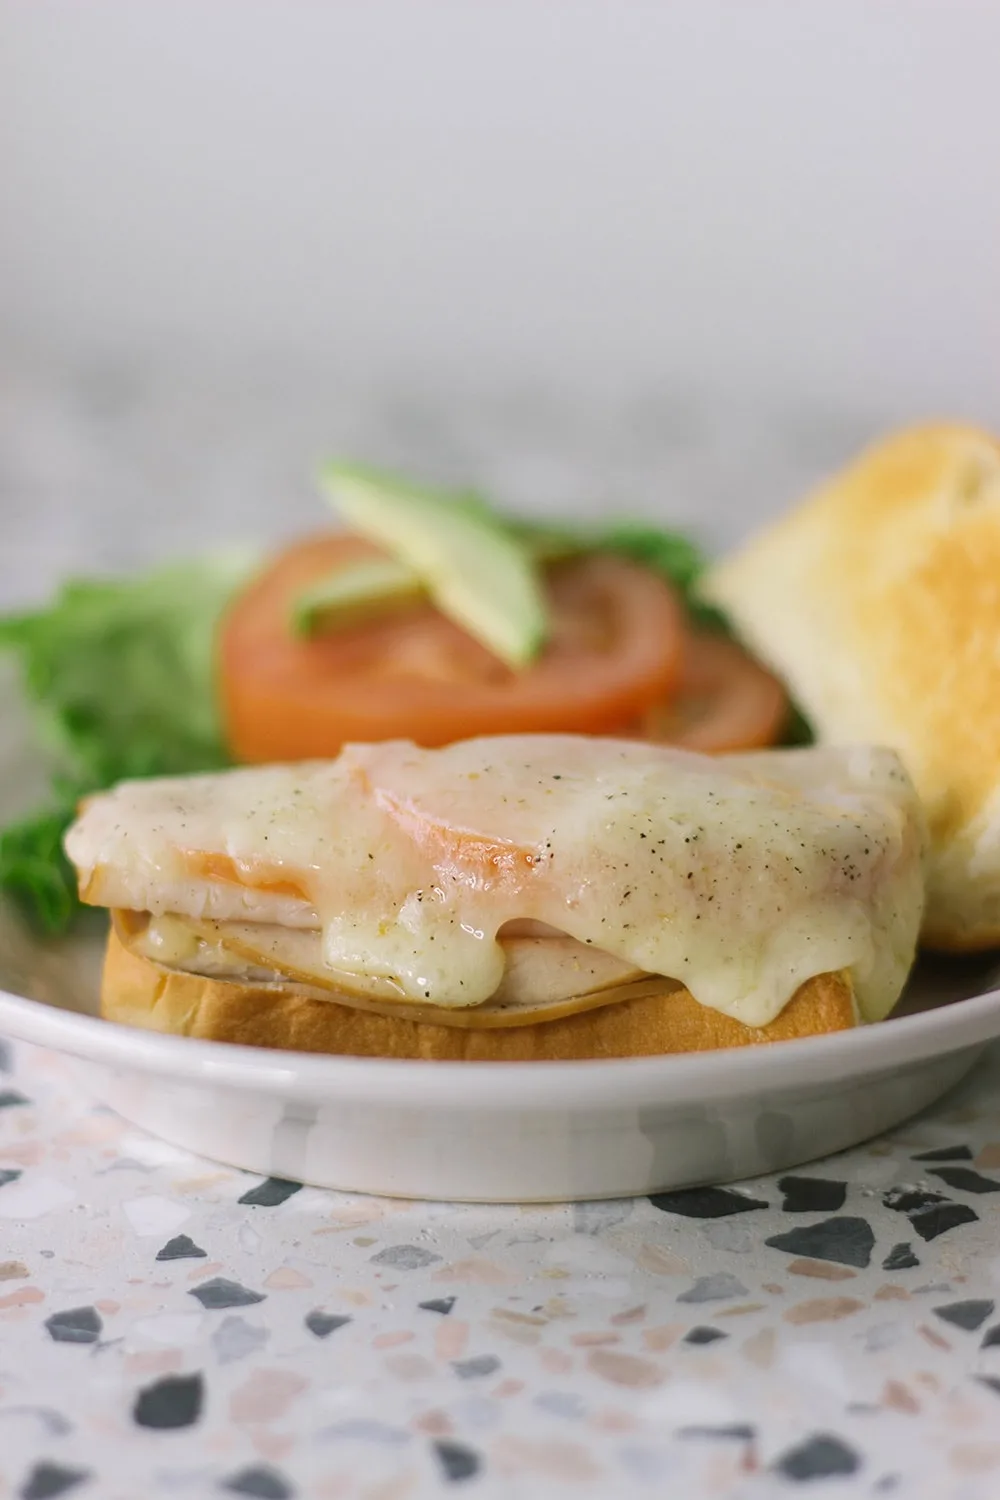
x=877 y=601
x=137 y=992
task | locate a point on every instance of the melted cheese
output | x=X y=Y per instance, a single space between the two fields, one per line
x=741 y=877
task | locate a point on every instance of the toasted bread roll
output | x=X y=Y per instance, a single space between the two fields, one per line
x=878 y=601
x=137 y=992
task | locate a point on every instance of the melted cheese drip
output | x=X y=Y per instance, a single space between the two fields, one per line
x=741 y=877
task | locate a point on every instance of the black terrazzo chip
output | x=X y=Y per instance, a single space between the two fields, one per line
x=260 y=1481
x=969 y=1315
x=78 y=1325
x=442 y=1305
x=181 y=1248
x=991 y=1337
x=930 y=1214
x=704 y=1335
x=991 y=1382
x=911 y=1201
x=323 y=1324
x=11 y=1097
x=847 y=1241
x=8 y=1174
x=705 y=1203
x=948 y=1216
x=820 y=1457
x=945 y=1153
x=457 y=1461
x=48 y=1480
x=220 y=1292
x=812 y=1195
x=900 y=1258
x=965 y=1180
x=270 y=1192
x=6 y=1065
x=174 y=1401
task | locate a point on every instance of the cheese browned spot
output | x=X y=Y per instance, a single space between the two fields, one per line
x=251 y=873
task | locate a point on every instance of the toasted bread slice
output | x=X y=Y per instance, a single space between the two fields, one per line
x=878 y=602
x=138 y=992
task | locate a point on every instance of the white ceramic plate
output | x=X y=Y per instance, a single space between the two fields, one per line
x=493 y=1132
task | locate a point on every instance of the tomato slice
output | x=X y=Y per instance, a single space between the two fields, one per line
x=615 y=650
x=726 y=701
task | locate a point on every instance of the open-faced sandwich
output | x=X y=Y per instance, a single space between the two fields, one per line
x=509 y=898
x=574 y=863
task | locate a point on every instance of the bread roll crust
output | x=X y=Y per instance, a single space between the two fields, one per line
x=137 y=992
x=878 y=602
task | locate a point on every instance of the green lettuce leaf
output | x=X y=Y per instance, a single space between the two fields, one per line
x=120 y=678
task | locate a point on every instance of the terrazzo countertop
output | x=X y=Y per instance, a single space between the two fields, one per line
x=172 y=1327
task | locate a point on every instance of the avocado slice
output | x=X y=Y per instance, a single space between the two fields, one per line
x=474 y=568
x=359 y=592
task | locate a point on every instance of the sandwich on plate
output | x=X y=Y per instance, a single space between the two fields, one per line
x=509 y=898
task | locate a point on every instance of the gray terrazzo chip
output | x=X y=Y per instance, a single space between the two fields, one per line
x=47 y=1480
x=740 y=1432
x=476 y=1367
x=323 y=1324
x=704 y=1335
x=721 y=1287
x=900 y=1258
x=969 y=1315
x=235 y=1339
x=78 y=1325
x=221 y=1292
x=181 y=1247
x=442 y=1305
x=261 y=1482
x=458 y=1462
x=405 y=1257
